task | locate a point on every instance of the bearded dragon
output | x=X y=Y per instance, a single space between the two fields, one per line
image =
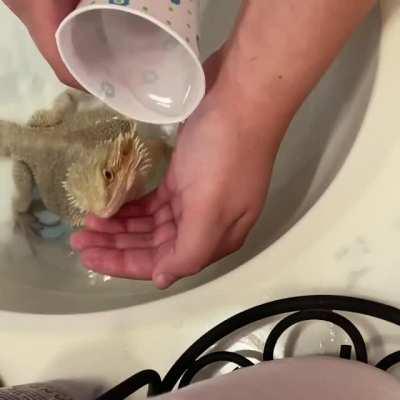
x=81 y=162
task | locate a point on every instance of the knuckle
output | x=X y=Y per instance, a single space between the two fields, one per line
x=240 y=243
x=193 y=269
x=236 y=245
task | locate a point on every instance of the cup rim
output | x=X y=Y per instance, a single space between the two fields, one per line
x=195 y=57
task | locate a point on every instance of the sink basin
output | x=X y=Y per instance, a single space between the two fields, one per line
x=316 y=146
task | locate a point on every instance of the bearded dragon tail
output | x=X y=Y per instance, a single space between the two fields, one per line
x=8 y=131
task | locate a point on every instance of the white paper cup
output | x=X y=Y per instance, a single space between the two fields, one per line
x=140 y=57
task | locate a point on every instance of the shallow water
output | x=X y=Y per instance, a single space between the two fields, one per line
x=330 y=119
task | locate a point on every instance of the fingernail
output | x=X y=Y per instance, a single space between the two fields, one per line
x=164 y=280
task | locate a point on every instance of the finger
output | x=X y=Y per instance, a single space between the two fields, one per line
x=203 y=238
x=134 y=264
x=89 y=239
x=132 y=225
x=163 y=215
x=132 y=210
x=228 y=247
x=119 y=225
x=147 y=205
x=235 y=236
x=198 y=236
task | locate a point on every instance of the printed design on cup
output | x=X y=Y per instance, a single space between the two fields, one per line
x=174 y=12
x=150 y=77
x=120 y=2
x=107 y=89
x=169 y=44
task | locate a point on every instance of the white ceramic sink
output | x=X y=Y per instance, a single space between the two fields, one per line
x=317 y=144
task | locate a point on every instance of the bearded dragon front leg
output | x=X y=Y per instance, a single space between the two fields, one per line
x=23 y=180
x=64 y=105
x=24 y=221
x=23 y=203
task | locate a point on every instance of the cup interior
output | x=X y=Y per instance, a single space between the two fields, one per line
x=132 y=63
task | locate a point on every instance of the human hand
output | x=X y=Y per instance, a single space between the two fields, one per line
x=42 y=19
x=212 y=195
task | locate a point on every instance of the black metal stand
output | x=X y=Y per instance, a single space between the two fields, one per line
x=304 y=308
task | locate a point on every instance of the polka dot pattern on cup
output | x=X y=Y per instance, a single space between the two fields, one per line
x=150 y=77
x=181 y=16
x=181 y=19
x=120 y=2
x=107 y=89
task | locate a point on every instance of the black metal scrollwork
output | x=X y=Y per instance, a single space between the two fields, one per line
x=322 y=315
x=304 y=308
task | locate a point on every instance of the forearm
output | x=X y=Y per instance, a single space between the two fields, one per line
x=279 y=51
x=42 y=18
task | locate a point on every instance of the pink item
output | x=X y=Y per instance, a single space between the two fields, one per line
x=314 y=378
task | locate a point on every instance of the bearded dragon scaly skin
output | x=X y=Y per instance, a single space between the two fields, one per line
x=81 y=162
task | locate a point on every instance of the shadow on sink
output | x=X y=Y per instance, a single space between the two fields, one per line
x=317 y=144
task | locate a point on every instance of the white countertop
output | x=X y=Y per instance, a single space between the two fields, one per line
x=347 y=244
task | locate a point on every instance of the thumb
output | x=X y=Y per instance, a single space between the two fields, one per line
x=198 y=237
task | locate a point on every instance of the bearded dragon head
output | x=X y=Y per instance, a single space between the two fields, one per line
x=104 y=178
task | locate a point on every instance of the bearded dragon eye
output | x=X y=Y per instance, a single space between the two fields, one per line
x=108 y=175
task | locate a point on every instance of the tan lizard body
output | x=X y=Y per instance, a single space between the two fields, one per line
x=81 y=162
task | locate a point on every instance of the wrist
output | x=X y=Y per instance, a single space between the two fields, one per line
x=253 y=110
